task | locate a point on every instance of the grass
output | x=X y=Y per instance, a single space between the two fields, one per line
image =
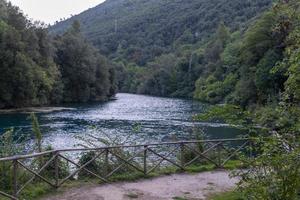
x=232 y=195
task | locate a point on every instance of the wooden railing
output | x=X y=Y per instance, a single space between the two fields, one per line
x=141 y=158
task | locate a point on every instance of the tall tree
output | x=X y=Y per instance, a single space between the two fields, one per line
x=85 y=73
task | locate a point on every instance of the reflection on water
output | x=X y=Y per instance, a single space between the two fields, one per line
x=158 y=119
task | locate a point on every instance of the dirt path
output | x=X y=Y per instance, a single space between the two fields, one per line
x=186 y=186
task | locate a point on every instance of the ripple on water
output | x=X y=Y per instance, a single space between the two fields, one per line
x=148 y=119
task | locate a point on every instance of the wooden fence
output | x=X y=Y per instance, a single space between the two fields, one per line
x=141 y=158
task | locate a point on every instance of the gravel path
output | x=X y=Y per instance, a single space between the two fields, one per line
x=186 y=186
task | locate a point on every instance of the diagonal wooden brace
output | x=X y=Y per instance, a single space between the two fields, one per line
x=170 y=161
x=81 y=168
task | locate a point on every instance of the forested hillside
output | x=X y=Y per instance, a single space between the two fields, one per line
x=237 y=52
x=36 y=69
x=257 y=72
x=152 y=41
x=255 y=67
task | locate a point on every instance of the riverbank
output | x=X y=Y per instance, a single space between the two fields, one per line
x=35 y=110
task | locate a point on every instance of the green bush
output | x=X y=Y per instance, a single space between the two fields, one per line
x=275 y=173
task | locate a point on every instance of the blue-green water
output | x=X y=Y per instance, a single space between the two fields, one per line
x=145 y=118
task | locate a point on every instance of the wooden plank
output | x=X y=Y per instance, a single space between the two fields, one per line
x=34 y=176
x=8 y=196
x=106 y=162
x=21 y=157
x=15 y=178
x=145 y=160
x=56 y=169
x=182 y=158
x=33 y=172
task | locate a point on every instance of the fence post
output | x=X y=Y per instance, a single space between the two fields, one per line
x=56 y=166
x=145 y=159
x=182 y=158
x=106 y=162
x=15 y=178
x=219 y=156
x=251 y=146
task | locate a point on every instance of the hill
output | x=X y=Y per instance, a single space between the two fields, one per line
x=145 y=29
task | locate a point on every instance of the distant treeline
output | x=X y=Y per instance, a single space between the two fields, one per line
x=37 y=69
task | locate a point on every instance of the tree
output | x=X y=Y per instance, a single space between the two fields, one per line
x=28 y=72
x=85 y=73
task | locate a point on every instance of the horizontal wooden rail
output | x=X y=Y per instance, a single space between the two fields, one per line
x=20 y=157
x=115 y=158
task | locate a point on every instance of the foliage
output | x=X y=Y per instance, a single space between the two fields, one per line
x=30 y=72
x=12 y=143
x=266 y=101
x=275 y=172
x=163 y=40
x=233 y=195
x=85 y=73
x=231 y=114
x=7 y=144
x=6 y=149
x=36 y=131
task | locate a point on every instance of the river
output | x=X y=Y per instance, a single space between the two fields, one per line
x=144 y=118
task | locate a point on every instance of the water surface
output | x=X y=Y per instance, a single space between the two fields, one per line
x=145 y=118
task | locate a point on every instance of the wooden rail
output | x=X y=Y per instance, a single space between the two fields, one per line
x=141 y=158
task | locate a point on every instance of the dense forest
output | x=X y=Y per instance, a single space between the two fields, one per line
x=254 y=75
x=38 y=69
x=253 y=67
x=156 y=45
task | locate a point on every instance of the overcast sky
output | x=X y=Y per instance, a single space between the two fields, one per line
x=50 y=11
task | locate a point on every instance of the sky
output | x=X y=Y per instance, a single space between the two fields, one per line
x=50 y=11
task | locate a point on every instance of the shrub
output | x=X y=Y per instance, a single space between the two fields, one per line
x=275 y=173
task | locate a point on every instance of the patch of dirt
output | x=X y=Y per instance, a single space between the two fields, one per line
x=177 y=186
